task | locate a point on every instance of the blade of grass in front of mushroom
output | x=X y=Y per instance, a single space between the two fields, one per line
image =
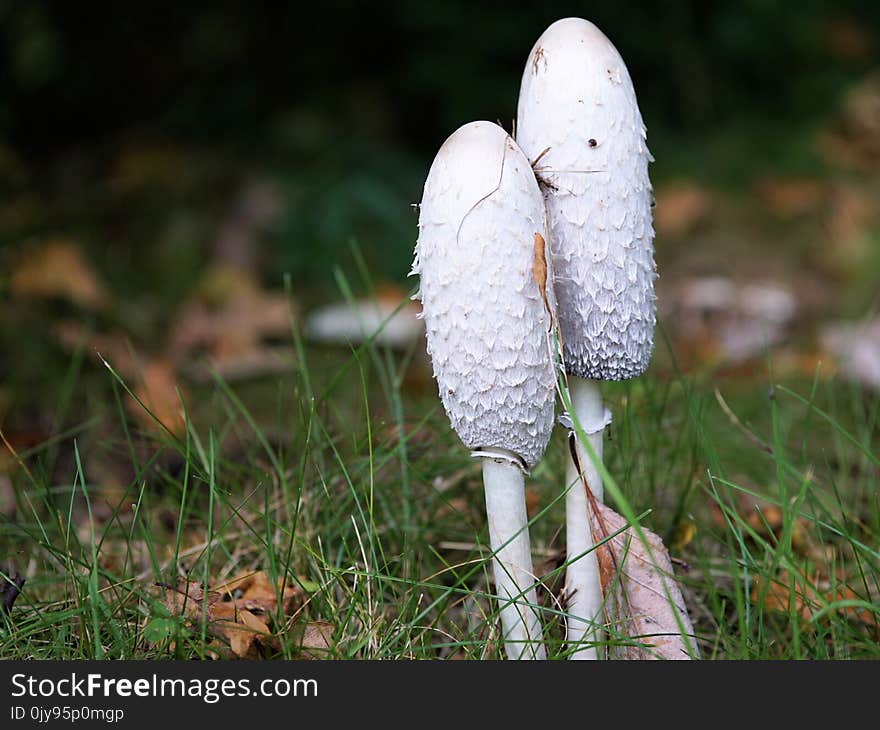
x=617 y=582
x=601 y=539
x=633 y=520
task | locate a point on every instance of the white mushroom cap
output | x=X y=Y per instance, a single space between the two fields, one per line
x=486 y=320
x=579 y=123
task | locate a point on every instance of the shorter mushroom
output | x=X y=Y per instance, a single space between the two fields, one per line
x=487 y=315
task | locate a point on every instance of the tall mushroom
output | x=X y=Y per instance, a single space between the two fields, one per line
x=579 y=123
x=487 y=313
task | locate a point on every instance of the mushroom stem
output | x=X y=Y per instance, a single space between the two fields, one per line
x=504 y=484
x=582 y=575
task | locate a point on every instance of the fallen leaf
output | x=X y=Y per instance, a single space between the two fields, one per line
x=153 y=380
x=765 y=519
x=254 y=591
x=58 y=268
x=539 y=272
x=238 y=613
x=777 y=595
x=241 y=628
x=317 y=639
x=768 y=520
x=186 y=599
x=238 y=627
x=643 y=600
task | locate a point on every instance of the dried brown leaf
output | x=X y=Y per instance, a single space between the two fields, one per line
x=185 y=599
x=539 y=271
x=254 y=591
x=240 y=628
x=157 y=383
x=643 y=600
x=539 y=263
x=765 y=519
x=317 y=639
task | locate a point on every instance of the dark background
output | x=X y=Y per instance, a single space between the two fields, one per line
x=405 y=72
x=346 y=102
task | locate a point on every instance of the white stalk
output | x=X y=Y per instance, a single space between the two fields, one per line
x=504 y=484
x=582 y=585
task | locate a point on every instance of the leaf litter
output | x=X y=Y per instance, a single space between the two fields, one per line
x=642 y=597
x=242 y=615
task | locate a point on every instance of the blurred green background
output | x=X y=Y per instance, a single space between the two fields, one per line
x=345 y=102
x=153 y=140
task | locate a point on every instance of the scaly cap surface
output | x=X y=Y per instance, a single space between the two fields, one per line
x=579 y=123
x=485 y=316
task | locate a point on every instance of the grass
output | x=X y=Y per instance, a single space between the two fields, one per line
x=343 y=477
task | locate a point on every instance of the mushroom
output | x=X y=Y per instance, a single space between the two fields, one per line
x=487 y=316
x=579 y=123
